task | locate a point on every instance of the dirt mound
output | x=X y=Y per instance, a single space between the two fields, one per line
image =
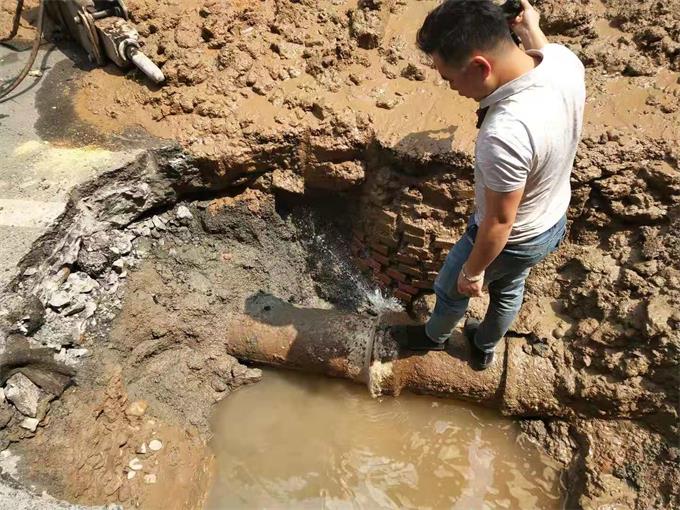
x=304 y=99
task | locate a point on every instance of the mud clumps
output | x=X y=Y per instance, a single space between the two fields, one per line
x=278 y=102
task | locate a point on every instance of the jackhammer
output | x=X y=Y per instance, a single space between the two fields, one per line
x=101 y=27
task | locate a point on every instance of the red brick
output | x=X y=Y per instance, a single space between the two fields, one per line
x=361 y=264
x=444 y=243
x=383 y=230
x=383 y=278
x=380 y=258
x=413 y=240
x=357 y=246
x=380 y=248
x=409 y=270
x=421 y=253
x=433 y=266
x=374 y=264
x=422 y=284
x=411 y=228
x=386 y=218
x=408 y=289
x=403 y=296
x=400 y=277
x=406 y=259
x=387 y=240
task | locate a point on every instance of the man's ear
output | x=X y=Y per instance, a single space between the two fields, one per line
x=482 y=64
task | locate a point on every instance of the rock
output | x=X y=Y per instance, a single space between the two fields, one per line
x=155 y=445
x=121 y=243
x=150 y=478
x=659 y=312
x=119 y=266
x=59 y=300
x=23 y=394
x=137 y=408
x=135 y=464
x=560 y=331
x=335 y=176
x=90 y=308
x=100 y=248
x=29 y=424
x=387 y=103
x=131 y=474
x=367 y=27
x=287 y=180
x=218 y=385
x=414 y=73
x=5 y=415
x=76 y=308
x=422 y=307
x=23 y=314
x=141 y=449
x=80 y=283
x=158 y=223
x=184 y=214
x=94 y=263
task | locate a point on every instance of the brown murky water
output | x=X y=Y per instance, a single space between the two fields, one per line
x=305 y=442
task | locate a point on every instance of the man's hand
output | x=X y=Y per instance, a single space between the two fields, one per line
x=468 y=288
x=527 y=27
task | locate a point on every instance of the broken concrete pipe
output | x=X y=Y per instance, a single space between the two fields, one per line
x=358 y=347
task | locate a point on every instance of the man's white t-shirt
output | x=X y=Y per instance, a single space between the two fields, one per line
x=529 y=139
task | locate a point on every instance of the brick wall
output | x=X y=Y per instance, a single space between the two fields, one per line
x=399 y=255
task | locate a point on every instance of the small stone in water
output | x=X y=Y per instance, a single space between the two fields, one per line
x=155 y=445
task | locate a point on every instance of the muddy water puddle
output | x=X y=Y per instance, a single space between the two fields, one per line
x=306 y=442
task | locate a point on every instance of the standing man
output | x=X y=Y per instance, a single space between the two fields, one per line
x=530 y=118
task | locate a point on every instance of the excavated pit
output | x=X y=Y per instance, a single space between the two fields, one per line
x=158 y=286
x=118 y=327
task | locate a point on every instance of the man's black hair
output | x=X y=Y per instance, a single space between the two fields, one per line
x=457 y=28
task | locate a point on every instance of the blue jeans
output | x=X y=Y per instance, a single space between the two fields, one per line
x=505 y=278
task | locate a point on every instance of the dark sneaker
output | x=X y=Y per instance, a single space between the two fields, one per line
x=414 y=338
x=479 y=359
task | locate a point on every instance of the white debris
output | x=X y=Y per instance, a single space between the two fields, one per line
x=29 y=424
x=183 y=213
x=23 y=394
x=59 y=300
x=150 y=478
x=135 y=464
x=155 y=445
x=81 y=283
x=131 y=474
x=119 y=265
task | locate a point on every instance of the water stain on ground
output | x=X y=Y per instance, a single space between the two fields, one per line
x=58 y=121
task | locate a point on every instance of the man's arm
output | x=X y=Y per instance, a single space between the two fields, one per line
x=527 y=28
x=492 y=236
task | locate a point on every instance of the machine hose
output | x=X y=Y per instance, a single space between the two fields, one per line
x=34 y=51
